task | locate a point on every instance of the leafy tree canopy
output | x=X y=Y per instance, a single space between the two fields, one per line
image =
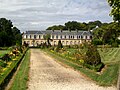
x=9 y=35
x=74 y=25
x=115 y=12
x=106 y=34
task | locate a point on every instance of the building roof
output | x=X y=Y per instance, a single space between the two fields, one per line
x=59 y=32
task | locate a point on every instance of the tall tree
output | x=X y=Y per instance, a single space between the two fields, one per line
x=47 y=37
x=9 y=35
x=18 y=36
x=115 y=12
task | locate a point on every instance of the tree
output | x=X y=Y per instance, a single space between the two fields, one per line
x=59 y=46
x=93 y=24
x=108 y=33
x=72 y=25
x=9 y=35
x=18 y=36
x=115 y=12
x=92 y=56
x=111 y=34
x=47 y=37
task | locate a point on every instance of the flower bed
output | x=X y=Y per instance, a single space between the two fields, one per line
x=11 y=66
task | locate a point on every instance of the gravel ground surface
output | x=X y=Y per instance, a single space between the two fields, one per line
x=47 y=74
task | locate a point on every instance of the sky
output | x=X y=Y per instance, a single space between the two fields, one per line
x=40 y=14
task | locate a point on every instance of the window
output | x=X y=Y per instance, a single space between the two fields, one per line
x=66 y=42
x=52 y=36
x=77 y=37
x=34 y=36
x=65 y=36
x=26 y=36
x=61 y=36
x=73 y=37
x=81 y=37
x=69 y=36
x=56 y=36
x=75 y=42
x=90 y=37
x=54 y=42
x=30 y=36
x=39 y=36
x=85 y=37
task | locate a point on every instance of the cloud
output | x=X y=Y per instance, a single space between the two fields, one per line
x=39 y=14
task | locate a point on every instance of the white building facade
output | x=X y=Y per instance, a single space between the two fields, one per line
x=35 y=38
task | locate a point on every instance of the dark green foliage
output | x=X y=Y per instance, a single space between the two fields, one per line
x=9 y=35
x=96 y=68
x=47 y=38
x=2 y=64
x=106 y=34
x=55 y=27
x=115 y=44
x=6 y=58
x=25 y=44
x=59 y=46
x=97 y=42
x=92 y=56
x=74 y=25
x=115 y=12
x=43 y=45
x=92 y=25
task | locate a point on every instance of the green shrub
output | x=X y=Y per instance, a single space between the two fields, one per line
x=51 y=48
x=92 y=56
x=97 y=42
x=115 y=44
x=59 y=46
x=6 y=58
x=2 y=64
x=99 y=67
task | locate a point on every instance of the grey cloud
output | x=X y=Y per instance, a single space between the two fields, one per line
x=39 y=14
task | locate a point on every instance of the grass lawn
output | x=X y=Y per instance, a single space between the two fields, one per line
x=110 y=55
x=2 y=52
x=108 y=76
x=21 y=78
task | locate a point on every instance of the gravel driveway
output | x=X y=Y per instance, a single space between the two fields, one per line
x=47 y=74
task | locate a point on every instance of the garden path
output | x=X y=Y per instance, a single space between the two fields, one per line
x=46 y=74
